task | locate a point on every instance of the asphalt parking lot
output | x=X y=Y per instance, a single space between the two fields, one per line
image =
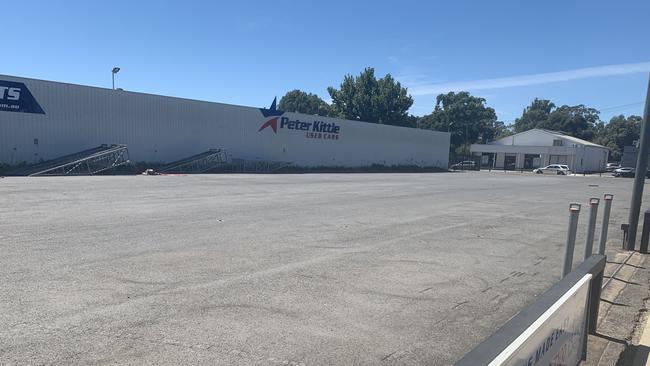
x=314 y=269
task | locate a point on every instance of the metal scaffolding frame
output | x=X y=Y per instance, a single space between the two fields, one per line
x=257 y=166
x=199 y=163
x=106 y=159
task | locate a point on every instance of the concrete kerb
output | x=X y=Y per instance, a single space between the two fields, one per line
x=621 y=306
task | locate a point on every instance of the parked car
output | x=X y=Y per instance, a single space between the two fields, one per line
x=558 y=169
x=624 y=172
x=610 y=167
x=465 y=165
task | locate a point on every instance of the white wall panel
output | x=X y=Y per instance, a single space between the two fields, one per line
x=164 y=129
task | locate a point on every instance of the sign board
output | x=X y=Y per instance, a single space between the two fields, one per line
x=15 y=97
x=555 y=338
x=312 y=128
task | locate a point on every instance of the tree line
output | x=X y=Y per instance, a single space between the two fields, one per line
x=466 y=117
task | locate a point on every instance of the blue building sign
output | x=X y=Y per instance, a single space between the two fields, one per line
x=15 y=97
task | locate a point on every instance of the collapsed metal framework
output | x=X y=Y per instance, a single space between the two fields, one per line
x=199 y=163
x=217 y=160
x=91 y=162
x=98 y=159
x=257 y=166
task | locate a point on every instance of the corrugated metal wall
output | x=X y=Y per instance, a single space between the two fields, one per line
x=163 y=129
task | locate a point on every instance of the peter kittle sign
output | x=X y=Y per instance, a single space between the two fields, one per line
x=557 y=337
x=15 y=97
x=313 y=130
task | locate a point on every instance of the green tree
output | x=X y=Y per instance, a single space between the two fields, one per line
x=410 y=121
x=366 y=98
x=578 y=120
x=538 y=112
x=619 y=132
x=503 y=130
x=302 y=102
x=466 y=117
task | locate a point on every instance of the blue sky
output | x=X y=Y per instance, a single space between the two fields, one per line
x=246 y=52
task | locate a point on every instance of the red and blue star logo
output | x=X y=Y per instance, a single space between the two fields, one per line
x=274 y=114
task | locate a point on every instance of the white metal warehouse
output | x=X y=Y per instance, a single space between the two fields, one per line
x=537 y=148
x=41 y=120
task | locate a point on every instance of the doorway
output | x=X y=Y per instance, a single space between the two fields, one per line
x=487 y=160
x=510 y=162
x=532 y=161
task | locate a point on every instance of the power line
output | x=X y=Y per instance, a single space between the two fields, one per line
x=621 y=106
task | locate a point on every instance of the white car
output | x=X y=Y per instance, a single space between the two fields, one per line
x=625 y=172
x=464 y=165
x=557 y=169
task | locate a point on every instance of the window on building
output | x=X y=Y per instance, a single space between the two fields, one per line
x=557 y=142
x=510 y=162
x=532 y=161
x=558 y=159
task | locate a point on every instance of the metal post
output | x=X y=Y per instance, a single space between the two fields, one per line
x=594 y=301
x=605 y=224
x=645 y=234
x=625 y=228
x=466 y=147
x=574 y=212
x=591 y=228
x=639 y=176
x=113 y=73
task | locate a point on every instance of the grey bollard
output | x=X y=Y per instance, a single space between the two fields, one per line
x=645 y=234
x=625 y=228
x=591 y=228
x=605 y=224
x=574 y=212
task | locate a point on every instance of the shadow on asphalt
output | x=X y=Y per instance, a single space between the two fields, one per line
x=634 y=356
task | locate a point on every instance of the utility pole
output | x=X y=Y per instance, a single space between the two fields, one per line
x=466 y=146
x=639 y=174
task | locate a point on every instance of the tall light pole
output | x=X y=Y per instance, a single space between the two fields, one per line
x=466 y=139
x=454 y=157
x=639 y=173
x=115 y=71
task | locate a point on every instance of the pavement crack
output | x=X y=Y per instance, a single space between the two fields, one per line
x=388 y=356
x=459 y=304
x=539 y=260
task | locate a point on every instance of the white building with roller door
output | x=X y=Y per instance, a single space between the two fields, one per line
x=538 y=148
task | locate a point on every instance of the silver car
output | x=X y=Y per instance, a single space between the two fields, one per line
x=557 y=169
x=624 y=172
